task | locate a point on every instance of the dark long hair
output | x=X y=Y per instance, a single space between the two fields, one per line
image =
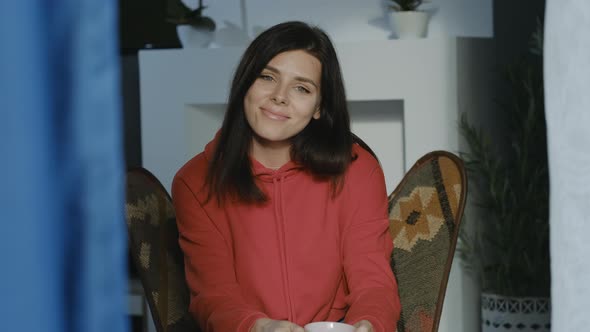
x=323 y=147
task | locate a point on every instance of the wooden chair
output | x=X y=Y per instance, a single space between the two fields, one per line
x=425 y=212
x=153 y=243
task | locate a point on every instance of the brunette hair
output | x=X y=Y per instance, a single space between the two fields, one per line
x=323 y=147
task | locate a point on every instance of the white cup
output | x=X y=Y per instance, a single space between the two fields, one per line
x=328 y=327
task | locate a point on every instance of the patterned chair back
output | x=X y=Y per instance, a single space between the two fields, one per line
x=153 y=243
x=425 y=212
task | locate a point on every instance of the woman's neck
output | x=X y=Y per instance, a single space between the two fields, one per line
x=270 y=155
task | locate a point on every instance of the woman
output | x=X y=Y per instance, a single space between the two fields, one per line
x=283 y=217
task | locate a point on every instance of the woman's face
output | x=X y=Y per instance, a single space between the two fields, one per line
x=284 y=98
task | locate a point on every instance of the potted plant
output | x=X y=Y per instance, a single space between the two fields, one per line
x=508 y=250
x=406 y=20
x=194 y=29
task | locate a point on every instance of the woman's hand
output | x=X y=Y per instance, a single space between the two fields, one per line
x=364 y=326
x=271 y=325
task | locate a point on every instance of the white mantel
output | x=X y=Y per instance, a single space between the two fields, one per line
x=405 y=97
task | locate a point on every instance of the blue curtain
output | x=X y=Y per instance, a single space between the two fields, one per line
x=62 y=233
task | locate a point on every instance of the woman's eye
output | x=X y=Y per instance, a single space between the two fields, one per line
x=266 y=77
x=302 y=89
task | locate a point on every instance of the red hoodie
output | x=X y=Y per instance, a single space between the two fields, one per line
x=303 y=256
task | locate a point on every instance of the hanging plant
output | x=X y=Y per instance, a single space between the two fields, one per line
x=179 y=14
x=405 y=5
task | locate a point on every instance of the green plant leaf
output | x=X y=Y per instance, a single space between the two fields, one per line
x=509 y=188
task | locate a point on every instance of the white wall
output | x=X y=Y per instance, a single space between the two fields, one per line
x=567 y=77
x=477 y=84
x=347 y=20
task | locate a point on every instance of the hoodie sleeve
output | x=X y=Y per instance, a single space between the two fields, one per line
x=367 y=248
x=216 y=300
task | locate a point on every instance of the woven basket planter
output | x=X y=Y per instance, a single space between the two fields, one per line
x=522 y=314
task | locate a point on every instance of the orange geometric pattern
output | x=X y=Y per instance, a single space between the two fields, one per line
x=426 y=321
x=416 y=217
x=453 y=184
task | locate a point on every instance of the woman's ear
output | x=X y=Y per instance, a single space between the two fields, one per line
x=316 y=114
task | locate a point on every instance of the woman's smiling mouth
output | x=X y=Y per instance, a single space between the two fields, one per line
x=274 y=115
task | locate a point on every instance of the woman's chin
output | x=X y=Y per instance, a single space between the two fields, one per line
x=274 y=140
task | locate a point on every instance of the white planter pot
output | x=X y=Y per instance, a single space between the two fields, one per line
x=409 y=24
x=191 y=36
x=522 y=314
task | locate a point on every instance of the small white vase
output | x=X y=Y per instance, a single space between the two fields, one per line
x=522 y=314
x=191 y=36
x=409 y=24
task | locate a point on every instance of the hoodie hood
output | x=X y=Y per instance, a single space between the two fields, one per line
x=260 y=171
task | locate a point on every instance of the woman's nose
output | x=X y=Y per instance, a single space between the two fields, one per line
x=279 y=96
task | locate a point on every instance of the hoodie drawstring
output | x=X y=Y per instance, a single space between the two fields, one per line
x=279 y=209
